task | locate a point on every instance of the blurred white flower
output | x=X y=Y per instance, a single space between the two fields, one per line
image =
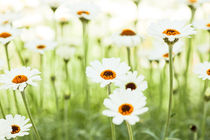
x=202 y=24
x=41 y=46
x=5 y=129
x=83 y=10
x=19 y=125
x=8 y=18
x=203 y=70
x=11 y=6
x=194 y=3
x=126 y=38
x=54 y=4
x=204 y=48
x=62 y=15
x=110 y=70
x=44 y=32
x=131 y=81
x=65 y=52
x=125 y=106
x=8 y=33
x=19 y=78
x=170 y=30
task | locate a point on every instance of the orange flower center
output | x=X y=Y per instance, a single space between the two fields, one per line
x=83 y=12
x=126 y=109
x=108 y=74
x=193 y=1
x=208 y=71
x=19 y=79
x=132 y=86
x=5 y=35
x=127 y=32
x=208 y=25
x=171 y=32
x=166 y=55
x=15 y=129
x=40 y=46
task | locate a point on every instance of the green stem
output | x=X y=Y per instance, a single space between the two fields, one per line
x=136 y=57
x=29 y=115
x=41 y=82
x=16 y=102
x=19 y=54
x=170 y=89
x=56 y=94
x=203 y=126
x=130 y=133
x=66 y=118
x=209 y=45
x=161 y=89
x=2 y=110
x=129 y=57
x=112 y=125
x=195 y=136
x=7 y=56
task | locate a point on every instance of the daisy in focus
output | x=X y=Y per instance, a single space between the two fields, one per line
x=125 y=106
x=5 y=129
x=41 y=46
x=19 y=78
x=126 y=38
x=19 y=125
x=66 y=52
x=170 y=31
x=203 y=70
x=7 y=34
x=109 y=71
x=84 y=11
x=131 y=81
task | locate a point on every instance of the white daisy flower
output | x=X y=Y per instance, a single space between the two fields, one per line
x=41 y=46
x=170 y=31
x=126 y=38
x=85 y=11
x=19 y=125
x=131 y=81
x=203 y=70
x=8 y=18
x=5 y=129
x=65 y=52
x=194 y=3
x=19 y=78
x=54 y=4
x=202 y=24
x=125 y=106
x=106 y=72
x=62 y=15
x=205 y=48
x=7 y=34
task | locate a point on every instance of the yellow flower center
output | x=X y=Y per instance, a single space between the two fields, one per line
x=208 y=71
x=132 y=86
x=20 y=79
x=166 y=55
x=126 y=109
x=15 y=129
x=83 y=12
x=208 y=25
x=127 y=32
x=108 y=74
x=5 y=35
x=171 y=32
x=193 y=1
x=40 y=47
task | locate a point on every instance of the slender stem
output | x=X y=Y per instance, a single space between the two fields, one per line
x=66 y=71
x=170 y=89
x=195 y=136
x=7 y=56
x=161 y=89
x=136 y=58
x=209 y=45
x=29 y=115
x=112 y=125
x=19 y=53
x=16 y=102
x=2 y=110
x=41 y=82
x=56 y=94
x=129 y=57
x=130 y=133
x=66 y=118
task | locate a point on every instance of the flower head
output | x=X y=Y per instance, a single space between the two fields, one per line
x=202 y=24
x=5 y=129
x=41 y=46
x=19 y=125
x=65 y=52
x=19 y=78
x=126 y=38
x=7 y=34
x=194 y=3
x=125 y=106
x=132 y=82
x=203 y=70
x=170 y=31
x=106 y=72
